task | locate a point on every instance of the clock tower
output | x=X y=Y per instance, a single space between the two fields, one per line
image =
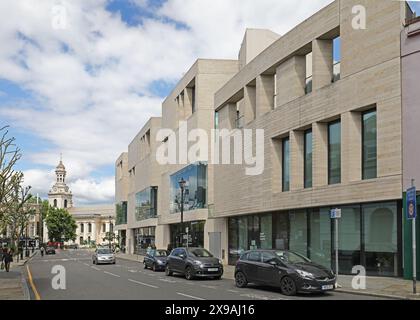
x=60 y=195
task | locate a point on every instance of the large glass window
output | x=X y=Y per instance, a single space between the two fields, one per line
x=146 y=204
x=121 y=213
x=369 y=142
x=348 y=238
x=334 y=152
x=380 y=238
x=195 y=193
x=299 y=232
x=286 y=164
x=320 y=237
x=281 y=231
x=195 y=234
x=308 y=159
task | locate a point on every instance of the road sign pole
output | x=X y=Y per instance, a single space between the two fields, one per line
x=414 y=257
x=413 y=221
x=336 y=249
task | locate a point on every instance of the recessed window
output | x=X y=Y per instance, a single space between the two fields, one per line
x=308 y=80
x=336 y=59
x=334 y=152
x=285 y=164
x=55 y=203
x=193 y=99
x=369 y=145
x=308 y=159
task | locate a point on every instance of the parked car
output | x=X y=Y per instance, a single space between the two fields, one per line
x=288 y=270
x=156 y=260
x=194 y=262
x=103 y=255
x=50 y=250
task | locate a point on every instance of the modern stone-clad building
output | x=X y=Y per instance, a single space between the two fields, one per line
x=336 y=99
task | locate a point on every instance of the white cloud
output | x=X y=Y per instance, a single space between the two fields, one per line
x=91 y=81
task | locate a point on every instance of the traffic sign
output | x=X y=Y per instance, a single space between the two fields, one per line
x=411 y=203
x=335 y=213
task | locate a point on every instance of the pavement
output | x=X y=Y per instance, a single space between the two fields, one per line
x=394 y=288
x=13 y=285
x=79 y=279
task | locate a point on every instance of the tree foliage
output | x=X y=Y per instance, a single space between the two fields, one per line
x=61 y=225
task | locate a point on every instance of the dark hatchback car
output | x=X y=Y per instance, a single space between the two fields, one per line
x=194 y=262
x=156 y=260
x=289 y=271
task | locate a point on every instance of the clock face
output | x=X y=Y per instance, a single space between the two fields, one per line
x=55 y=189
x=67 y=189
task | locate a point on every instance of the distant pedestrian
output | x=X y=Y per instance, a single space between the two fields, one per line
x=42 y=251
x=169 y=249
x=7 y=259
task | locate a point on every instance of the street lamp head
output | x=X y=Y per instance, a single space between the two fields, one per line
x=182 y=183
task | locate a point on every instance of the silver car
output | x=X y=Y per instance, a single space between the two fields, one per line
x=103 y=255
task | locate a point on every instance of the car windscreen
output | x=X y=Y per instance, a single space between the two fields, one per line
x=291 y=257
x=199 y=253
x=104 y=251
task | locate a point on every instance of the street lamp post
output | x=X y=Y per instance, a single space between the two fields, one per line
x=109 y=234
x=182 y=183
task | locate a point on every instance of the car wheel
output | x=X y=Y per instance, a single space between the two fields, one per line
x=168 y=271
x=188 y=273
x=240 y=280
x=93 y=261
x=154 y=267
x=288 y=286
x=114 y=262
x=145 y=265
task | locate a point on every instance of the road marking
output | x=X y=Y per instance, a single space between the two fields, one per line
x=112 y=274
x=133 y=271
x=188 y=296
x=143 y=284
x=234 y=291
x=93 y=267
x=208 y=287
x=86 y=264
x=167 y=280
x=31 y=282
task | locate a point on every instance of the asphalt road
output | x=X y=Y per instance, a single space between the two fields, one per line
x=127 y=280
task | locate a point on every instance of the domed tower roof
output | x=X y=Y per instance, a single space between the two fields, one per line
x=61 y=166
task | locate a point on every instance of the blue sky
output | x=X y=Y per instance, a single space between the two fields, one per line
x=86 y=87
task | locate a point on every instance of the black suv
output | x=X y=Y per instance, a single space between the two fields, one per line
x=194 y=262
x=288 y=270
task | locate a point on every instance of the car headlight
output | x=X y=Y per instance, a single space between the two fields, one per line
x=160 y=262
x=305 y=275
x=220 y=262
x=198 y=263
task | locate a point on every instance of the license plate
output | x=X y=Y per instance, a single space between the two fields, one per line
x=327 y=287
x=213 y=269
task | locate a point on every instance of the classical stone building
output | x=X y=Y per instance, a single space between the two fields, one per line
x=93 y=222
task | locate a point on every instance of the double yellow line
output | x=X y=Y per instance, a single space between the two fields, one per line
x=31 y=282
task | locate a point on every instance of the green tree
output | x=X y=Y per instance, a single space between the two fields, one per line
x=61 y=225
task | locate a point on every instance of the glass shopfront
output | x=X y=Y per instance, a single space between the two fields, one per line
x=195 y=234
x=369 y=235
x=195 y=193
x=144 y=238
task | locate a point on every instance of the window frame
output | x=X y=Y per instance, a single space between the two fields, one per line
x=338 y=121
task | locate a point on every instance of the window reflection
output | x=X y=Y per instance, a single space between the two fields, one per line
x=195 y=193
